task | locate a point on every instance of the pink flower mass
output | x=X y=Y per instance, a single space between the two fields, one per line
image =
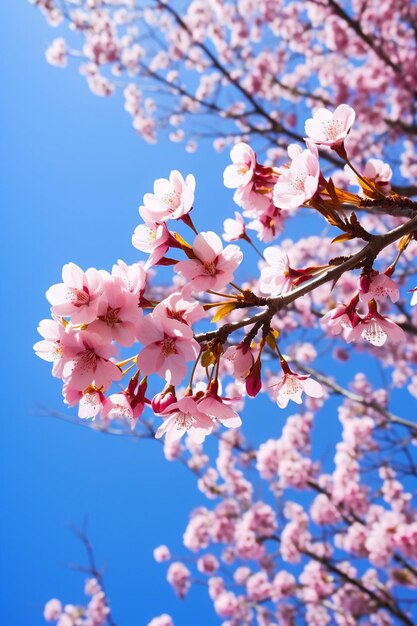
x=299 y=518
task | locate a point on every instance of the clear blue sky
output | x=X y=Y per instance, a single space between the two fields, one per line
x=72 y=175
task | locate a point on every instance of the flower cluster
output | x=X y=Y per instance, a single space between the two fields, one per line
x=94 y=614
x=95 y=313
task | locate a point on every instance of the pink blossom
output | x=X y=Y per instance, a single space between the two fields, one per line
x=163 y=399
x=268 y=224
x=341 y=319
x=161 y=553
x=185 y=416
x=330 y=129
x=181 y=308
x=377 y=171
x=240 y=358
x=90 y=404
x=276 y=278
x=213 y=405
x=298 y=183
x=258 y=587
x=212 y=267
x=121 y=406
x=52 y=610
x=179 y=577
x=207 y=564
x=378 y=287
x=152 y=238
x=51 y=347
x=168 y=345
x=376 y=329
x=282 y=586
x=118 y=314
x=132 y=278
x=171 y=199
x=78 y=295
x=226 y=604
x=87 y=362
x=56 y=54
x=253 y=379
x=234 y=229
x=241 y=172
x=291 y=386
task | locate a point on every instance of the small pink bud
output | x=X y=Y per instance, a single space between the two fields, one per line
x=253 y=380
x=163 y=400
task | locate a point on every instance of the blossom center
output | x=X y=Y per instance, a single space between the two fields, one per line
x=184 y=421
x=111 y=318
x=210 y=268
x=333 y=129
x=168 y=346
x=171 y=200
x=242 y=169
x=291 y=386
x=79 y=297
x=87 y=360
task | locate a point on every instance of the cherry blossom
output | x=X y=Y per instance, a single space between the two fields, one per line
x=51 y=347
x=299 y=182
x=56 y=54
x=213 y=266
x=214 y=406
x=185 y=417
x=242 y=170
x=378 y=287
x=234 y=229
x=291 y=386
x=88 y=362
x=168 y=345
x=240 y=359
x=179 y=578
x=118 y=314
x=152 y=238
x=277 y=277
x=171 y=199
x=181 y=308
x=376 y=329
x=330 y=129
x=78 y=295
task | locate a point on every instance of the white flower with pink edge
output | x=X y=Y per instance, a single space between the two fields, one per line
x=299 y=182
x=276 y=275
x=242 y=170
x=291 y=387
x=330 y=129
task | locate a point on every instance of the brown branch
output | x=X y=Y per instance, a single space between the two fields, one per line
x=371 y=250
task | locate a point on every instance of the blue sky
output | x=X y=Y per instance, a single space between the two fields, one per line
x=73 y=173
